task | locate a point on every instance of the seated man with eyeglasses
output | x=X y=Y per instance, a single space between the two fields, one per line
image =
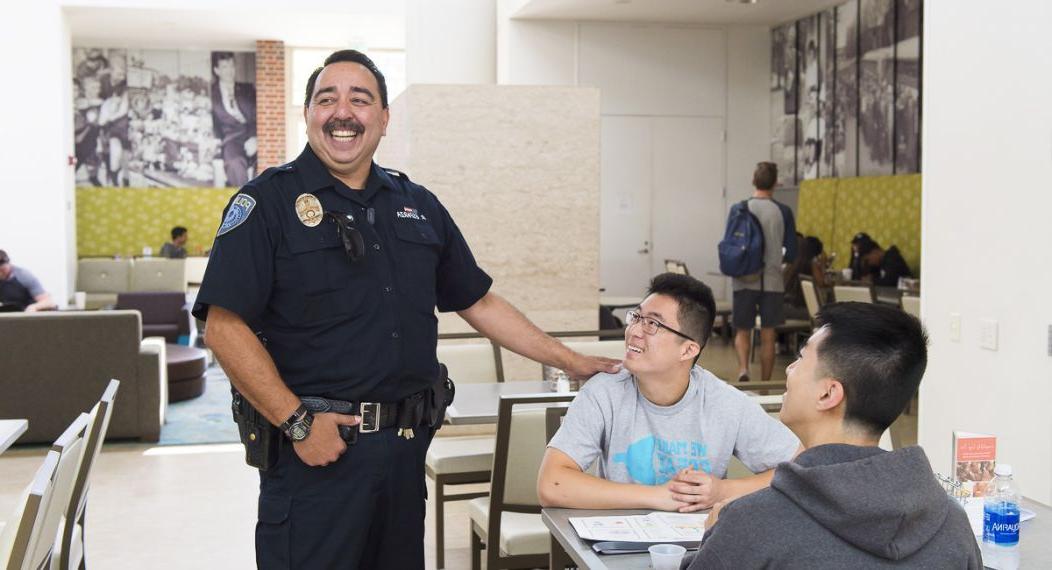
x=663 y=429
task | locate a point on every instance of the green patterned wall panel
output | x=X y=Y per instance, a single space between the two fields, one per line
x=121 y=221
x=816 y=208
x=888 y=208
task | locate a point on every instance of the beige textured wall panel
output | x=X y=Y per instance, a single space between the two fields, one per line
x=518 y=169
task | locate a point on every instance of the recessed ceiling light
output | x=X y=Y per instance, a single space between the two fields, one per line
x=741 y=1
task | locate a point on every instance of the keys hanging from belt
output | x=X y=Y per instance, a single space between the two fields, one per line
x=410 y=413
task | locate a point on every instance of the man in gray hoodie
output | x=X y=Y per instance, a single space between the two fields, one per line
x=844 y=502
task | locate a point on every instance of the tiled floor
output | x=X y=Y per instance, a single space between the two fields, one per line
x=194 y=506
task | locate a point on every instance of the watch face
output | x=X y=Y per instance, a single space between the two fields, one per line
x=299 y=431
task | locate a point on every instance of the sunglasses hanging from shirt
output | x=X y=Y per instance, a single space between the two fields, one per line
x=353 y=243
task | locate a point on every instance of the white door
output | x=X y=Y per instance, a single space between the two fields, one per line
x=687 y=203
x=624 y=223
x=661 y=198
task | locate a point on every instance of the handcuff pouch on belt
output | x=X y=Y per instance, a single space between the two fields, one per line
x=259 y=436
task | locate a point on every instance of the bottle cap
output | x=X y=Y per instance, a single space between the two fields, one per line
x=1003 y=470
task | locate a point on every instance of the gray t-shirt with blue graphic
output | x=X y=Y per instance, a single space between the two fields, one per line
x=637 y=441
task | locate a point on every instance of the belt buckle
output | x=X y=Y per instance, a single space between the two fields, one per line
x=370 y=412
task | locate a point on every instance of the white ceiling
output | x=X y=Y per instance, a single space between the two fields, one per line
x=380 y=25
x=763 y=12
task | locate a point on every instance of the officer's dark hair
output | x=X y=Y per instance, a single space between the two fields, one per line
x=218 y=56
x=765 y=176
x=178 y=231
x=4 y=258
x=697 y=308
x=353 y=56
x=878 y=353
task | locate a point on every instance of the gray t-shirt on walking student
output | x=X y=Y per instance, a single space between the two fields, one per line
x=637 y=441
x=772 y=220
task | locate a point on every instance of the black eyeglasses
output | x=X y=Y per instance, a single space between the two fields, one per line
x=353 y=243
x=651 y=326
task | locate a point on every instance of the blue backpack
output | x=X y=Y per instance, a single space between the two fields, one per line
x=741 y=250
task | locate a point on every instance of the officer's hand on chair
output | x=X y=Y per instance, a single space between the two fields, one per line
x=584 y=367
x=324 y=445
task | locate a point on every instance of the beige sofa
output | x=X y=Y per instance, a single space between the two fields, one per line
x=103 y=278
x=55 y=365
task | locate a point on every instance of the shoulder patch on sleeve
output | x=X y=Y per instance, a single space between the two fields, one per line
x=237 y=213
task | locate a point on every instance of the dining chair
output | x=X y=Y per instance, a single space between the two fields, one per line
x=810 y=298
x=71 y=544
x=461 y=460
x=507 y=523
x=25 y=527
x=911 y=304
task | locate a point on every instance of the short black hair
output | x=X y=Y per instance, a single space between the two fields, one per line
x=4 y=258
x=697 y=308
x=218 y=56
x=878 y=353
x=864 y=243
x=178 y=231
x=353 y=56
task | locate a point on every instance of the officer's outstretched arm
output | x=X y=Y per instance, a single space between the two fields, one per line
x=496 y=318
x=248 y=365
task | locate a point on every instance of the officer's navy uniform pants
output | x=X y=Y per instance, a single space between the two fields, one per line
x=364 y=511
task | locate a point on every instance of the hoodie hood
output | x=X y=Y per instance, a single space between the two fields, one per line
x=887 y=503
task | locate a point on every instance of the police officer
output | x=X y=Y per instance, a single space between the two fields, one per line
x=321 y=287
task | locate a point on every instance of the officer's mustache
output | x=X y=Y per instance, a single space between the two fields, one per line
x=344 y=125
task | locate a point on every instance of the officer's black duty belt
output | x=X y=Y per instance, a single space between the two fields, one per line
x=375 y=415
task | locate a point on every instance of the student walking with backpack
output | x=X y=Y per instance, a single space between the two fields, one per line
x=760 y=235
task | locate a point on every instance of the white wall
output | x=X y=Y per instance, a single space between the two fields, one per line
x=36 y=203
x=986 y=209
x=451 y=41
x=648 y=72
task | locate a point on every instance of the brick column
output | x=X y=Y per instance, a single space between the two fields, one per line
x=270 y=102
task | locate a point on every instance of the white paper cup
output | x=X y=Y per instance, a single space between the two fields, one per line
x=846 y=273
x=80 y=300
x=666 y=556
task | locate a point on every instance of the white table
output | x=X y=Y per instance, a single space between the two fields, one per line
x=569 y=549
x=10 y=430
x=478 y=403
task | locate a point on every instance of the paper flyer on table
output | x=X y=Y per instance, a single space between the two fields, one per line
x=654 y=527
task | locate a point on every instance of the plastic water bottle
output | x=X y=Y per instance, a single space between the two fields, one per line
x=1001 y=521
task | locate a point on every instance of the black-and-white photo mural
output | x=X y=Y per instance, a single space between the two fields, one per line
x=856 y=108
x=784 y=101
x=164 y=118
x=907 y=86
x=826 y=91
x=807 y=136
x=876 y=86
x=845 y=152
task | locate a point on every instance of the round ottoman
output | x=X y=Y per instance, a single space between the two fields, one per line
x=186 y=371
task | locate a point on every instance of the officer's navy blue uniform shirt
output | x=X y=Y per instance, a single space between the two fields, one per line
x=353 y=331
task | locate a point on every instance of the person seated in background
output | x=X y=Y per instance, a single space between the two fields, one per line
x=811 y=262
x=844 y=502
x=873 y=264
x=20 y=289
x=662 y=429
x=175 y=249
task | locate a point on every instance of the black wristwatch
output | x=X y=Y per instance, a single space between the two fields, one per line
x=297 y=427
